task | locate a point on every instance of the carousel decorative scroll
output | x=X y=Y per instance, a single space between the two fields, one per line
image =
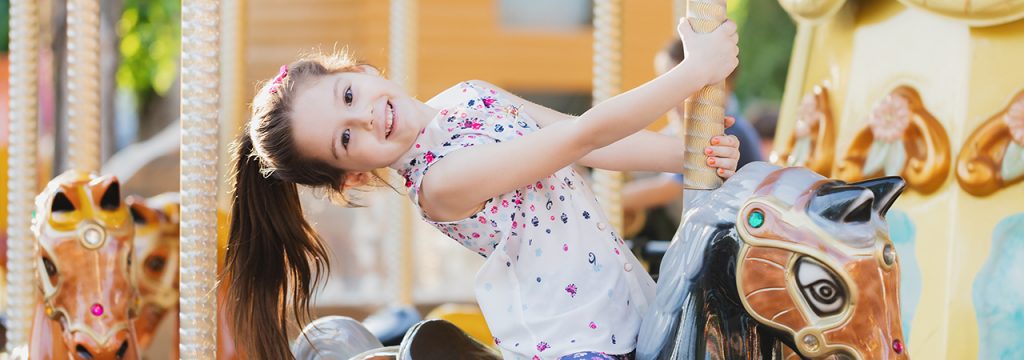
x=813 y=142
x=992 y=158
x=902 y=138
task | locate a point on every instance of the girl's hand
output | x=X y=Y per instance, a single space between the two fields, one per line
x=713 y=54
x=724 y=152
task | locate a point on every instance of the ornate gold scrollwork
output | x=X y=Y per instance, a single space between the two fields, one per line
x=813 y=142
x=992 y=157
x=902 y=138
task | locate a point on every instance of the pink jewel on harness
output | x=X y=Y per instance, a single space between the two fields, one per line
x=96 y=309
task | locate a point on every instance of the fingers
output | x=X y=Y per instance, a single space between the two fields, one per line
x=725 y=174
x=722 y=163
x=684 y=27
x=729 y=121
x=726 y=140
x=722 y=152
x=729 y=27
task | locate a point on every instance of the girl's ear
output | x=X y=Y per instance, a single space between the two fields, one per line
x=356 y=179
x=369 y=69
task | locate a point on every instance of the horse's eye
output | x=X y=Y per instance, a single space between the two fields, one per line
x=51 y=269
x=820 y=287
x=155 y=263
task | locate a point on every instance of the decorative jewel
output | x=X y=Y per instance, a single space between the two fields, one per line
x=811 y=342
x=897 y=346
x=889 y=255
x=96 y=309
x=92 y=237
x=756 y=219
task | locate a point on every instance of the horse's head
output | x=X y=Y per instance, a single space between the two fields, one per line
x=84 y=264
x=817 y=264
x=156 y=271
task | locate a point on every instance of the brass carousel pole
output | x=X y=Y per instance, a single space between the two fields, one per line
x=607 y=83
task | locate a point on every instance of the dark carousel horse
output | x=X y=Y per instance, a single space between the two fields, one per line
x=777 y=260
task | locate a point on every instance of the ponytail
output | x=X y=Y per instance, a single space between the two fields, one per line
x=274 y=258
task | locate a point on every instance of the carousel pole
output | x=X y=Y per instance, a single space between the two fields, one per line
x=200 y=100
x=704 y=114
x=21 y=182
x=402 y=69
x=608 y=83
x=83 y=85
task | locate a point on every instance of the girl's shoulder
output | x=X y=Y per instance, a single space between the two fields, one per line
x=469 y=94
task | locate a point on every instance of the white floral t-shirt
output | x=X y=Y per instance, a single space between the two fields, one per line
x=557 y=279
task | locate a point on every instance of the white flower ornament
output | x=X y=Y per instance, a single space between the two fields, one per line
x=888 y=121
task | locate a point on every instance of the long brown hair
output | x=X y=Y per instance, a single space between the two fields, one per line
x=274 y=257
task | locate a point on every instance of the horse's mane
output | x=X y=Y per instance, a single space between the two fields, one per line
x=705 y=216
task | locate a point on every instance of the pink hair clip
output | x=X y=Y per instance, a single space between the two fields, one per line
x=277 y=80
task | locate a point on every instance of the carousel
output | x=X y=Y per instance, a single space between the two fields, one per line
x=889 y=217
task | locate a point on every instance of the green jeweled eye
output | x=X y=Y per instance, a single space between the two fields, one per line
x=756 y=219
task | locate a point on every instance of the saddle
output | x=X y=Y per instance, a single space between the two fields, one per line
x=338 y=337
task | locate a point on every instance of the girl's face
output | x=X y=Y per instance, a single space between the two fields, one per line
x=356 y=121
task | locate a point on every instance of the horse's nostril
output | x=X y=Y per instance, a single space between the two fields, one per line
x=121 y=351
x=83 y=352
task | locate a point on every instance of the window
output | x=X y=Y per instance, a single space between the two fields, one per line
x=548 y=15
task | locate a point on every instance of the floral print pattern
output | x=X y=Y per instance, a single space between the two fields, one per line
x=547 y=238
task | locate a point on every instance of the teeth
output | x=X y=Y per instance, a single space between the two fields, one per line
x=389 y=118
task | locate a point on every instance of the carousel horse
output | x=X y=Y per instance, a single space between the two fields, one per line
x=156 y=271
x=85 y=236
x=780 y=259
x=157 y=242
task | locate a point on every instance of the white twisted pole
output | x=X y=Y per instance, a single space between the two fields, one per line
x=84 y=85
x=200 y=98
x=608 y=83
x=21 y=165
x=402 y=69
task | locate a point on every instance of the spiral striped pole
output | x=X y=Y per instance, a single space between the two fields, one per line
x=402 y=69
x=608 y=83
x=200 y=100
x=704 y=114
x=83 y=85
x=21 y=165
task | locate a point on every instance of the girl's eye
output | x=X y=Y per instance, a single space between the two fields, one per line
x=345 y=136
x=348 y=95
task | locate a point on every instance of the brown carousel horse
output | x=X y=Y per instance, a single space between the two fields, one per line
x=84 y=256
x=157 y=243
x=779 y=259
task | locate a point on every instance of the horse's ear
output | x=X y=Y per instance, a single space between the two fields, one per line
x=886 y=190
x=136 y=208
x=111 y=199
x=61 y=202
x=843 y=203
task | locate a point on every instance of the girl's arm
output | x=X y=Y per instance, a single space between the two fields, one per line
x=459 y=184
x=643 y=151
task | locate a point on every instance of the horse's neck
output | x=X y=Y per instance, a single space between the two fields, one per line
x=46 y=342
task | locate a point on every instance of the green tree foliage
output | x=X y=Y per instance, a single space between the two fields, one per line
x=150 y=33
x=766 y=41
x=5 y=24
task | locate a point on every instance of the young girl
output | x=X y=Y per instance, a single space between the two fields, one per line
x=487 y=168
